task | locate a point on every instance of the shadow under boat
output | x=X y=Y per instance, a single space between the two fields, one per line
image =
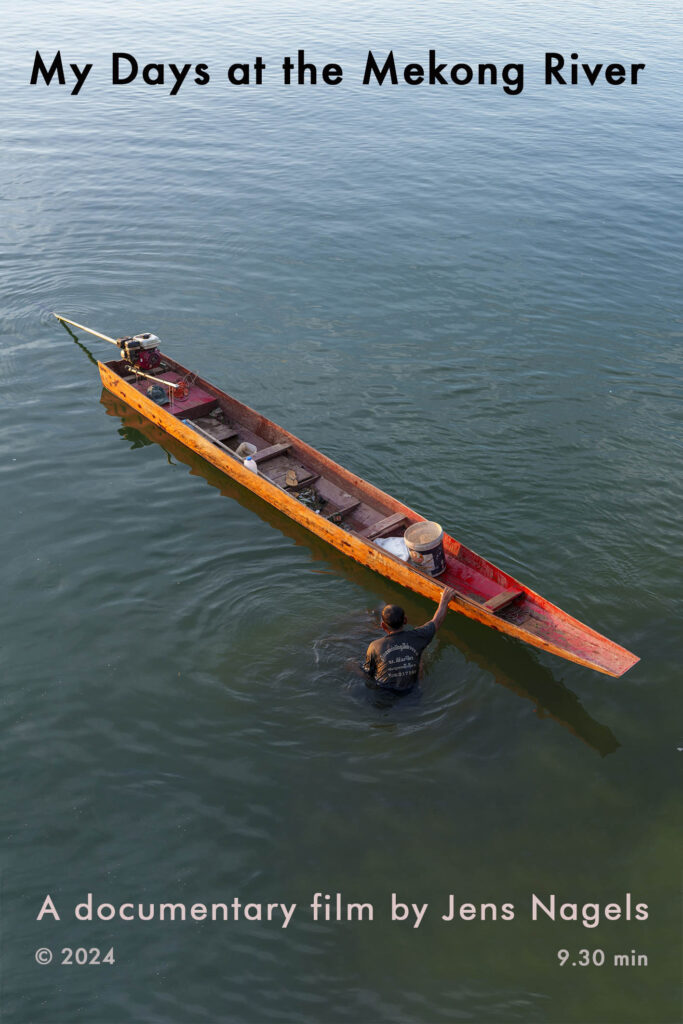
x=507 y=661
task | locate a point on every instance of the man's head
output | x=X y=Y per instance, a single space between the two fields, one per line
x=393 y=617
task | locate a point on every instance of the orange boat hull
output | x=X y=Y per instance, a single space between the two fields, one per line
x=526 y=616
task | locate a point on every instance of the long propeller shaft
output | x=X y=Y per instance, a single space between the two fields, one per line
x=89 y=330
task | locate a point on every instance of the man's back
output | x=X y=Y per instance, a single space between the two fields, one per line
x=394 y=660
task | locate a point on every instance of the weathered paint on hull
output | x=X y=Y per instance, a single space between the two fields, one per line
x=587 y=648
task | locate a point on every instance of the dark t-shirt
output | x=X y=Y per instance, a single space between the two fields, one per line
x=394 y=660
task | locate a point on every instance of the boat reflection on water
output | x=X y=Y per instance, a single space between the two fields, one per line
x=508 y=662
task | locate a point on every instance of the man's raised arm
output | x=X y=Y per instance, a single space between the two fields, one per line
x=440 y=613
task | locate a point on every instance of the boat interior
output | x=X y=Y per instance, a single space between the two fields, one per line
x=326 y=488
x=365 y=512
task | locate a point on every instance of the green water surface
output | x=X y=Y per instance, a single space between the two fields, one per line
x=471 y=300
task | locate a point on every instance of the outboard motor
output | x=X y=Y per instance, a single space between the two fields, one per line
x=141 y=351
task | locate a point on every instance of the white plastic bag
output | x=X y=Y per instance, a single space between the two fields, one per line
x=395 y=546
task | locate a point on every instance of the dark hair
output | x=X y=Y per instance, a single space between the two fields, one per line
x=393 y=616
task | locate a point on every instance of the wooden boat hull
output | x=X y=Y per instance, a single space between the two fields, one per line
x=512 y=609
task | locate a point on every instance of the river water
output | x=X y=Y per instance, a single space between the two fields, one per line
x=470 y=299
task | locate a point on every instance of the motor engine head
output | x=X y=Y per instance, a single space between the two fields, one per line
x=141 y=350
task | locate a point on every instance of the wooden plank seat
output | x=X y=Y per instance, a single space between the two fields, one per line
x=212 y=437
x=304 y=482
x=185 y=411
x=271 y=453
x=287 y=477
x=383 y=526
x=503 y=599
x=339 y=513
x=221 y=431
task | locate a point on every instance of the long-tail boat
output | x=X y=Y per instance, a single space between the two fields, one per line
x=346 y=511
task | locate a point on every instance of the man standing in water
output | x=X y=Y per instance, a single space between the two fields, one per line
x=393 y=661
